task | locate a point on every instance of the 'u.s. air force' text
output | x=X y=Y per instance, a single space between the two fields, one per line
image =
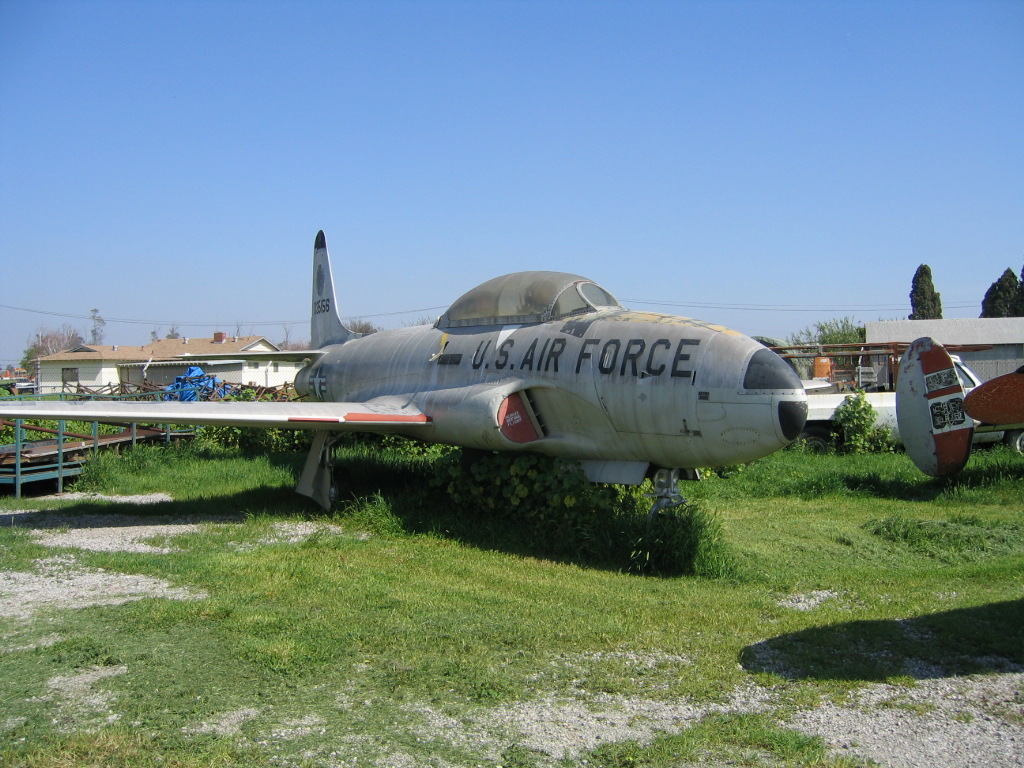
x=624 y=357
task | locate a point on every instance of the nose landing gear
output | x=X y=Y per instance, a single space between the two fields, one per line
x=666 y=489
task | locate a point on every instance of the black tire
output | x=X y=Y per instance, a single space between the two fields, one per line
x=1015 y=439
x=816 y=439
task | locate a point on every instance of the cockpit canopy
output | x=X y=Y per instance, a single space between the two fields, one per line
x=527 y=297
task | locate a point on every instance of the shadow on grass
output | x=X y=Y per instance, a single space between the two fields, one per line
x=602 y=529
x=377 y=492
x=81 y=506
x=895 y=488
x=964 y=641
x=388 y=492
x=417 y=506
x=88 y=512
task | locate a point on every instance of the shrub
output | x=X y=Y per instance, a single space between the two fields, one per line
x=254 y=440
x=857 y=418
x=550 y=503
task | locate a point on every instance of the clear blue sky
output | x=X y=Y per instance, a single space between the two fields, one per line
x=764 y=165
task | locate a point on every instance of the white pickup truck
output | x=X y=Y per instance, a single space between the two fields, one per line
x=822 y=429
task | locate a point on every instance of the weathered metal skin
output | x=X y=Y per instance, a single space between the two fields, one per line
x=611 y=385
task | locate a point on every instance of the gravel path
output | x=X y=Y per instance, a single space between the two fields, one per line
x=944 y=722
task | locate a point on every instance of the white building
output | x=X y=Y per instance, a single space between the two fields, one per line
x=1000 y=340
x=234 y=359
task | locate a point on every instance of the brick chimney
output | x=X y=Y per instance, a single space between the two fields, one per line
x=219 y=337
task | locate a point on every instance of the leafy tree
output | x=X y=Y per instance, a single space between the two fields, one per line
x=1018 y=302
x=843 y=330
x=1001 y=297
x=48 y=341
x=925 y=301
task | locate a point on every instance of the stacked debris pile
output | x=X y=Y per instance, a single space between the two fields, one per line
x=195 y=385
x=148 y=390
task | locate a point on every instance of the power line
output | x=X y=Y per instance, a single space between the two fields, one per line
x=646 y=302
x=140 y=322
x=131 y=321
x=788 y=307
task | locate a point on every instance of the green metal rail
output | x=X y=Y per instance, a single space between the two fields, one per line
x=29 y=461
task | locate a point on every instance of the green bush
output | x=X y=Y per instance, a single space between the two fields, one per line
x=551 y=494
x=857 y=417
x=254 y=440
x=552 y=503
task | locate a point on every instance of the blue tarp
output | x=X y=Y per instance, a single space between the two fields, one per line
x=197 y=385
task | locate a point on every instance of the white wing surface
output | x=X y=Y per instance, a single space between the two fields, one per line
x=383 y=414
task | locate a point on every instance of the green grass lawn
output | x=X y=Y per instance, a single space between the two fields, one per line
x=406 y=632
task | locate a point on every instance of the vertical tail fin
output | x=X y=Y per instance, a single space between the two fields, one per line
x=325 y=326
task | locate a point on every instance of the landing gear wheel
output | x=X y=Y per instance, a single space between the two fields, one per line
x=816 y=439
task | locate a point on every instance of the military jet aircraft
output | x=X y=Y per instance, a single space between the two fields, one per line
x=548 y=362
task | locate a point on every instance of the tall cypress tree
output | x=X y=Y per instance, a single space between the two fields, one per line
x=1001 y=296
x=1018 y=303
x=925 y=302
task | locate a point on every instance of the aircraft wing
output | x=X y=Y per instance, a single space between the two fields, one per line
x=381 y=414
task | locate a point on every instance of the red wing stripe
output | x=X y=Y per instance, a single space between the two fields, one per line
x=366 y=418
x=388 y=418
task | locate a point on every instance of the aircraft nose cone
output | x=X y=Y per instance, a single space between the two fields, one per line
x=768 y=373
x=766 y=370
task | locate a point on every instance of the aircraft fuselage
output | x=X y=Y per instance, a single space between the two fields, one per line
x=627 y=389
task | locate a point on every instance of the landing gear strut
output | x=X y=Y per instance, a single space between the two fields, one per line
x=666 y=489
x=317 y=480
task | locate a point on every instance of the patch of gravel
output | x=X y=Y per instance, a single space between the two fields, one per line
x=115 y=532
x=293 y=533
x=942 y=723
x=61 y=582
x=807 y=602
x=100 y=531
x=80 y=705
x=115 y=539
x=567 y=727
x=946 y=723
x=228 y=724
